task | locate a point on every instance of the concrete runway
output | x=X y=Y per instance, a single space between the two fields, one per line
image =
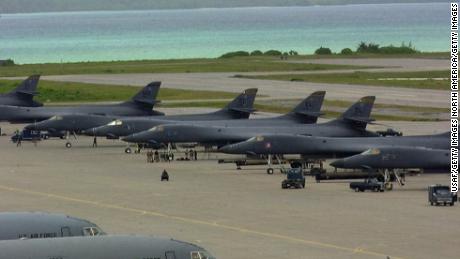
x=281 y=89
x=234 y=214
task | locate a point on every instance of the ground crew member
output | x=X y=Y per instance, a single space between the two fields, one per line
x=191 y=154
x=95 y=142
x=18 y=144
x=165 y=176
x=157 y=156
x=148 y=156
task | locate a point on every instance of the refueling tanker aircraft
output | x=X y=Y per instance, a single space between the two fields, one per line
x=140 y=105
x=23 y=94
x=305 y=112
x=351 y=123
x=240 y=108
x=102 y=247
x=31 y=225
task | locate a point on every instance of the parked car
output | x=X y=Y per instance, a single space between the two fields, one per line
x=369 y=184
x=440 y=194
x=29 y=135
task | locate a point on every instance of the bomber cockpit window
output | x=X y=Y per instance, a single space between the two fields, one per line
x=56 y=118
x=256 y=139
x=92 y=231
x=259 y=138
x=115 y=123
x=157 y=128
x=372 y=152
x=201 y=255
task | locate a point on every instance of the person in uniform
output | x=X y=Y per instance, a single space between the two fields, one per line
x=165 y=176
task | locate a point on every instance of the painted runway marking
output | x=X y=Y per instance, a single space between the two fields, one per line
x=200 y=222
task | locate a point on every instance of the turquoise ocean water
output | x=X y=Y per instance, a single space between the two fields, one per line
x=168 y=34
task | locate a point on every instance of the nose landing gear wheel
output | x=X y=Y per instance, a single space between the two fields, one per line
x=68 y=145
x=270 y=171
x=128 y=150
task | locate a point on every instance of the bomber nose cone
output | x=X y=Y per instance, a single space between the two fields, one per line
x=88 y=132
x=103 y=131
x=338 y=163
x=91 y=132
x=38 y=126
x=226 y=149
x=30 y=127
x=237 y=148
x=129 y=138
x=134 y=138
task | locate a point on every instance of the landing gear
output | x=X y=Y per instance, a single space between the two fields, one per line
x=68 y=144
x=269 y=162
x=128 y=150
x=390 y=175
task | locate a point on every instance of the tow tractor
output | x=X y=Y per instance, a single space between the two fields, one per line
x=294 y=179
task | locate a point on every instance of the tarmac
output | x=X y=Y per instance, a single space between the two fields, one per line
x=233 y=214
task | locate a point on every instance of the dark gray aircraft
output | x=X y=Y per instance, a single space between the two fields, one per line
x=239 y=108
x=397 y=158
x=23 y=94
x=102 y=247
x=326 y=147
x=352 y=123
x=16 y=225
x=141 y=104
x=307 y=111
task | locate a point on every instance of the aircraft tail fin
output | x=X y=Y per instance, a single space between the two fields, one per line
x=147 y=96
x=359 y=113
x=243 y=105
x=27 y=87
x=310 y=108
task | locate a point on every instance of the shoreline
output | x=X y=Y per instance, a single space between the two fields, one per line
x=165 y=9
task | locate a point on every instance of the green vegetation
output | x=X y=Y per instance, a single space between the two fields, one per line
x=364 y=49
x=373 y=49
x=238 y=64
x=236 y=54
x=346 y=51
x=272 y=52
x=420 y=80
x=323 y=51
x=387 y=50
x=78 y=92
x=257 y=53
x=6 y=63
